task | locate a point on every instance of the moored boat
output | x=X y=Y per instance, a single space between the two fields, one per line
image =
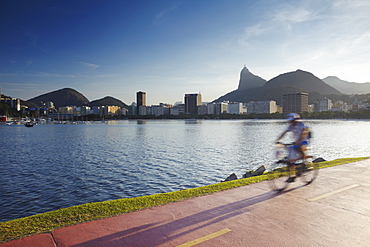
x=29 y=124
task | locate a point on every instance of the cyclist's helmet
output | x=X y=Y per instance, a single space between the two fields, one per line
x=292 y=116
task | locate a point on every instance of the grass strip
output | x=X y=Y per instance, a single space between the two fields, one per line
x=49 y=221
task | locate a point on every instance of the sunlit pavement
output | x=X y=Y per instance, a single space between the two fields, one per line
x=332 y=211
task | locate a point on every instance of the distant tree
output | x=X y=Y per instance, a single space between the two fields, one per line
x=4 y=109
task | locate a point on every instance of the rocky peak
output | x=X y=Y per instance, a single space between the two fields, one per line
x=248 y=80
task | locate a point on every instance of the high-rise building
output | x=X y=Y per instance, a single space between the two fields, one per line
x=295 y=102
x=191 y=103
x=140 y=100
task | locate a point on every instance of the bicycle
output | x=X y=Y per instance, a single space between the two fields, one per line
x=281 y=175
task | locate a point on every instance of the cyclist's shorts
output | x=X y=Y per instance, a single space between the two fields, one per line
x=301 y=144
x=304 y=143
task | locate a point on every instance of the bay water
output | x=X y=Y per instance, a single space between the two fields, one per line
x=53 y=166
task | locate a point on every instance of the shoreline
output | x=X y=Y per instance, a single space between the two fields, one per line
x=48 y=221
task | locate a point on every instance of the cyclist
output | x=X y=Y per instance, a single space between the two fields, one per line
x=301 y=138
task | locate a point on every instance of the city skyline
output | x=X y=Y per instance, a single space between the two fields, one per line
x=171 y=48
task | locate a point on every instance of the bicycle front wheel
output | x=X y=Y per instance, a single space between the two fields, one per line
x=279 y=178
x=310 y=171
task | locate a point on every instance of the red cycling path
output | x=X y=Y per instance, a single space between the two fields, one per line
x=332 y=211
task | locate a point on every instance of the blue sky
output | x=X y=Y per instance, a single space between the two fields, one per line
x=167 y=48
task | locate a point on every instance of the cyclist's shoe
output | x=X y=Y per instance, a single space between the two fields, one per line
x=290 y=180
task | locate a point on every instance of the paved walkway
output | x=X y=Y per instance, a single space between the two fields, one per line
x=332 y=211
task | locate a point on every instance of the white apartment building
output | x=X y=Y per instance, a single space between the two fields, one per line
x=144 y=110
x=202 y=110
x=211 y=108
x=235 y=108
x=159 y=110
x=323 y=105
x=262 y=107
x=177 y=109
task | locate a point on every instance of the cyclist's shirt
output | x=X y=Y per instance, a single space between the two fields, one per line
x=297 y=130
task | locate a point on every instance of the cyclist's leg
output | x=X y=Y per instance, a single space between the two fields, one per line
x=301 y=150
x=292 y=158
x=291 y=169
x=310 y=169
x=304 y=147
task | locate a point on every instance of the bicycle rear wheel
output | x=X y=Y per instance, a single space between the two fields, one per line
x=310 y=171
x=279 y=178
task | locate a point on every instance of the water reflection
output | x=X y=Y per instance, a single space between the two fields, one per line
x=193 y=121
x=141 y=121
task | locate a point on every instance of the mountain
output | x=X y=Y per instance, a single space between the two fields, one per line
x=292 y=82
x=62 y=97
x=248 y=80
x=302 y=81
x=71 y=97
x=347 y=87
x=108 y=101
